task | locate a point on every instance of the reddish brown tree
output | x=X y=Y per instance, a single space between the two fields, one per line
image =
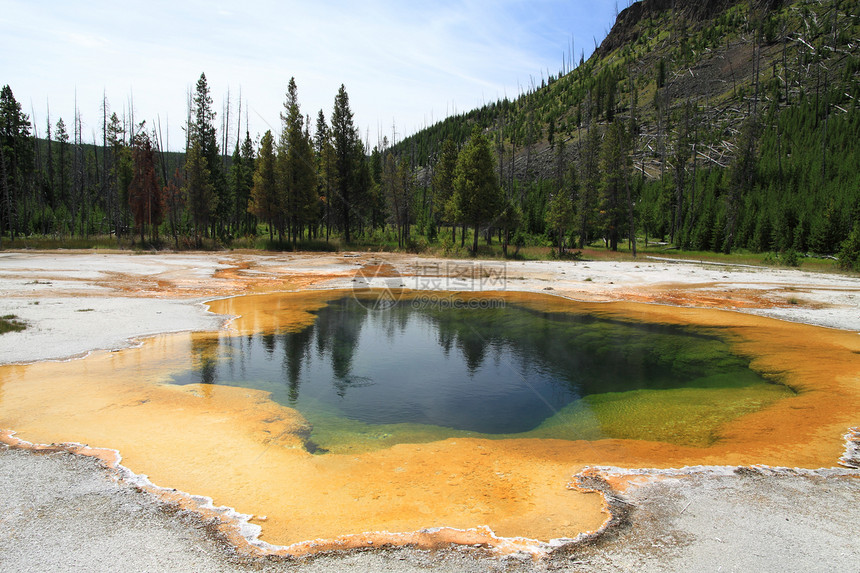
x=145 y=194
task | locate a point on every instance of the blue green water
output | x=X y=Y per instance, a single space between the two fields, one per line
x=493 y=371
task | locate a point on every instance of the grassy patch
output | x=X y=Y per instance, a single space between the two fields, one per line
x=11 y=323
x=101 y=242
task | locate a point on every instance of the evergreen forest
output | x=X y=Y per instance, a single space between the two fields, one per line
x=725 y=126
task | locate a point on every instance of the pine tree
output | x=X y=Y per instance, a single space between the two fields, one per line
x=849 y=255
x=679 y=161
x=742 y=175
x=344 y=137
x=306 y=180
x=362 y=182
x=477 y=193
x=122 y=171
x=325 y=170
x=200 y=192
x=265 y=200
x=241 y=182
x=62 y=167
x=174 y=201
x=561 y=212
x=378 y=207
x=50 y=180
x=16 y=160
x=615 y=160
x=443 y=186
x=296 y=172
x=509 y=221
x=249 y=225
x=590 y=167
x=236 y=181
x=202 y=131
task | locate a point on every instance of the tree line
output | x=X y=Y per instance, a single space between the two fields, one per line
x=293 y=186
x=576 y=160
x=294 y=183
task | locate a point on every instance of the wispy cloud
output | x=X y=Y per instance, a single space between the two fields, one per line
x=402 y=63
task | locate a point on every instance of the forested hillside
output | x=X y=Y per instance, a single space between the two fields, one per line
x=741 y=121
x=721 y=125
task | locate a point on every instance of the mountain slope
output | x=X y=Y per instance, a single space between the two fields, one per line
x=744 y=117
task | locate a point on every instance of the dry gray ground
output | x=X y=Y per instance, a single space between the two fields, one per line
x=745 y=522
x=60 y=512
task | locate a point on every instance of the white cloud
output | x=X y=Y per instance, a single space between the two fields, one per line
x=400 y=62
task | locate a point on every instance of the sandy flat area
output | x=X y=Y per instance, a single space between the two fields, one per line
x=59 y=510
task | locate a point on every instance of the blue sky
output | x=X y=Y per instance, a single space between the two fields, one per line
x=403 y=64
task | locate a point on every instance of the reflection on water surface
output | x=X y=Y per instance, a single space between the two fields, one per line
x=496 y=371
